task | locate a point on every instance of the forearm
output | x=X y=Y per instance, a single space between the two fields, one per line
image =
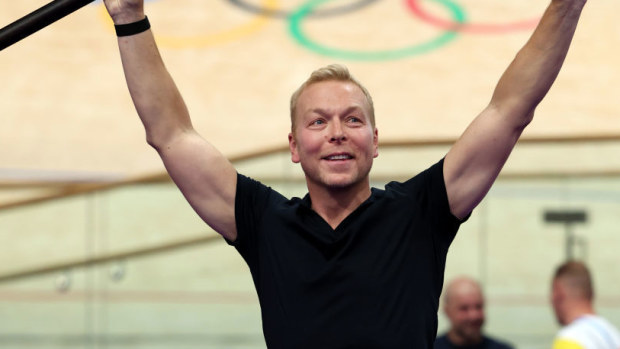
x=530 y=76
x=154 y=94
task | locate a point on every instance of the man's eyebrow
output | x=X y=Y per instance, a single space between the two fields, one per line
x=352 y=109
x=324 y=112
x=320 y=111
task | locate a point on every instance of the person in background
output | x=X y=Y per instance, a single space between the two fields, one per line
x=463 y=305
x=572 y=297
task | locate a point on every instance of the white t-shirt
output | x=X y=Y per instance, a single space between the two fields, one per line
x=588 y=332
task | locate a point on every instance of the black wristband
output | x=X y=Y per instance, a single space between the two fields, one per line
x=132 y=28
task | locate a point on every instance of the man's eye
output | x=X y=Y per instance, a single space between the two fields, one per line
x=318 y=122
x=354 y=119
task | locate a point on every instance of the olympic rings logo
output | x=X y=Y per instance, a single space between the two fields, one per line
x=313 y=9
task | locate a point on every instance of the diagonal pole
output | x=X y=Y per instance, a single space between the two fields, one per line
x=38 y=19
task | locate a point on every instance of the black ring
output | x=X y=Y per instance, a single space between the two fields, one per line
x=284 y=14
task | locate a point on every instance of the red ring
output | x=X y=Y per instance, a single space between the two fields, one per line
x=474 y=28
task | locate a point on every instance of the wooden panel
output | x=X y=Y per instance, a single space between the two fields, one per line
x=64 y=105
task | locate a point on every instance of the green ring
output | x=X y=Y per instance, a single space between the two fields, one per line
x=295 y=29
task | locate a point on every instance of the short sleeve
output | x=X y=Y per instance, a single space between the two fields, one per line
x=429 y=189
x=251 y=199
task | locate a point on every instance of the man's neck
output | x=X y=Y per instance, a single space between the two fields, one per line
x=336 y=204
x=577 y=310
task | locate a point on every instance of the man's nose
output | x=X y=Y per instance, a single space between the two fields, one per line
x=475 y=313
x=337 y=133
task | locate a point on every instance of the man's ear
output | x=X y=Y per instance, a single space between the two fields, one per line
x=375 y=141
x=292 y=144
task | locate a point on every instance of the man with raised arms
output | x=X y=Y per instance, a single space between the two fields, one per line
x=347 y=266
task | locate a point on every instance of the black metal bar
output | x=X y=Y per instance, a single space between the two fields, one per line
x=38 y=19
x=566 y=216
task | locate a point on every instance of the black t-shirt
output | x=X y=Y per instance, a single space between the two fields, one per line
x=443 y=342
x=373 y=282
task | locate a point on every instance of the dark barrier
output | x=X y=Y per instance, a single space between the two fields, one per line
x=38 y=19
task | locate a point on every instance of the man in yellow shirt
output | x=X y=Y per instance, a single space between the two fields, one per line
x=572 y=298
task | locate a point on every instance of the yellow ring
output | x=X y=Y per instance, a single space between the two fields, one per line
x=199 y=41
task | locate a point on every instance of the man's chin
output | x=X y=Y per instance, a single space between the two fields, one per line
x=337 y=181
x=472 y=335
x=340 y=182
x=343 y=183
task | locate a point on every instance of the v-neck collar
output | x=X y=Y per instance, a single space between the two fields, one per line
x=306 y=204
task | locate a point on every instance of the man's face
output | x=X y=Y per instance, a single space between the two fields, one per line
x=557 y=296
x=333 y=139
x=465 y=310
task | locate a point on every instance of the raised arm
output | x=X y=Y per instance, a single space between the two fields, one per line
x=204 y=176
x=475 y=160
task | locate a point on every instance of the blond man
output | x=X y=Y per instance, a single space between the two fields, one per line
x=347 y=266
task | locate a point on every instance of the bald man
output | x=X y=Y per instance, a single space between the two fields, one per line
x=464 y=307
x=572 y=296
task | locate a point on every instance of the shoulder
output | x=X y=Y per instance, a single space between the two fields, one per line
x=424 y=180
x=442 y=342
x=253 y=199
x=247 y=186
x=576 y=335
x=570 y=335
x=590 y=328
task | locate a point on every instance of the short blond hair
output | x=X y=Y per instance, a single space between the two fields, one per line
x=332 y=72
x=575 y=276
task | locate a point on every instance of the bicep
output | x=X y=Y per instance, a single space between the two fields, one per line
x=475 y=160
x=205 y=177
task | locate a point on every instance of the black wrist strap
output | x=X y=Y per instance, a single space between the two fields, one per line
x=132 y=28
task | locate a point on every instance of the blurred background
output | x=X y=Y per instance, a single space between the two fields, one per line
x=100 y=250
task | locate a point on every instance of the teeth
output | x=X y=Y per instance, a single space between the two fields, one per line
x=339 y=157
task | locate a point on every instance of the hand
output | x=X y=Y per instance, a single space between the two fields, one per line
x=125 y=11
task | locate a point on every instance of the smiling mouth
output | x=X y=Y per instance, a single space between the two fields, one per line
x=338 y=157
